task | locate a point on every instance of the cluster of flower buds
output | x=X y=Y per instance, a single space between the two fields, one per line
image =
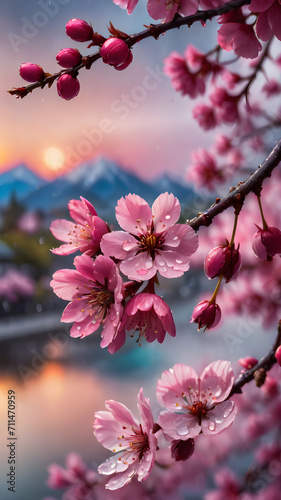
x=222 y=262
x=113 y=51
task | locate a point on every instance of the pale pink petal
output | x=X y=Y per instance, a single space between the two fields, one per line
x=139 y=267
x=65 y=249
x=117 y=342
x=121 y=413
x=75 y=311
x=123 y=478
x=98 y=270
x=61 y=229
x=147 y=462
x=158 y=10
x=133 y=214
x=170 y=264
x=179 y=425
x=219 y=418
x=145 y=412
x=81 y=211
x=126 y=4
x=178 y=387
x=119 y=244
x=66 y=283
x=108 y=429
x=216 y=382
x=165 y=212
x=113 y=465
x=83 y=328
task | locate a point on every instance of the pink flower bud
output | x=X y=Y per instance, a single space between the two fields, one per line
x=114 y=51
x=68 y=57
x=266 y=243
x=206 y=315
x=126 y=63
x=68 y=86
x=278 y=355
x=223 y=260
x=182 y=450
x=248 y=362
x=79 y=30
x=31 y=72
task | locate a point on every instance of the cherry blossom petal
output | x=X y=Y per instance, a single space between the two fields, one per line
x=119 y=244
x=126 y=4
x=81 y=211
x=216 y=382
x=133 y=214
x=83 y=328
x=140 y=267
x=179 y=425
x=219 y=418
x=75 y=311
x=165 y=212
x=177 y=387
x=66 y=283
x=121 y=413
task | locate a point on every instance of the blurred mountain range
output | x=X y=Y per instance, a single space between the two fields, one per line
x=102 y=182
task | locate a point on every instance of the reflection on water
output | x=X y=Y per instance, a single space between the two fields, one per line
x=61 y=382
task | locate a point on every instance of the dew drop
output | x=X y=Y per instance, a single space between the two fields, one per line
x=142 y=272
x=212 y=426
x=167 y=217
x=178 y=261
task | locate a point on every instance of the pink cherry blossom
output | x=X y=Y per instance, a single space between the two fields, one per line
x=226 y=105
x=133 y=442
x=196 y=404
x=269 y=18
x=83 y=234
x=127 y=4
x=204 y=172
x=94 y=290
x=176 y=68
x=206 y=116
x=229 y=487
x=166 y=9
x=148 y=314
x=239 y=37
x=152 y=241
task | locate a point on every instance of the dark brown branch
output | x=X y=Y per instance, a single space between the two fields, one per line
x=236 y=196
x=154 y=30
x=265 y=364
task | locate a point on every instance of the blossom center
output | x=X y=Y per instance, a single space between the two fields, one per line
x=198 y=410
x=139 y=443
x=150 y=243
x=100 y=300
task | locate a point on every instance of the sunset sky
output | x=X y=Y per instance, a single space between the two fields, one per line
x=133 y=117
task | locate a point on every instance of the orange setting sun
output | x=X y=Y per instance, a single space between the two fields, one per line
x=54 y=158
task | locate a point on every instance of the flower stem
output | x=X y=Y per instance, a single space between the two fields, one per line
x=234 y=229
x=265 y=226
x=213 y=299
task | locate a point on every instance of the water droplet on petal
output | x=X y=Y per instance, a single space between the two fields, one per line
x=142 y=272
x=178 y=261
x=227 y=412
x=167 y=217
x=212 y=426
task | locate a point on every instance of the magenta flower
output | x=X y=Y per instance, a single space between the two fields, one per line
x=83 y=234
x=268 y=22
x=133 y=442
x=204 y=172
x=148 y=314
x=126 y=4
x=166 y=9
x=206 y=314
x=239 y=37
x=196 y=404
x=266 y=243
x=152 y=241
x=94 y=290
x=176 y=68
